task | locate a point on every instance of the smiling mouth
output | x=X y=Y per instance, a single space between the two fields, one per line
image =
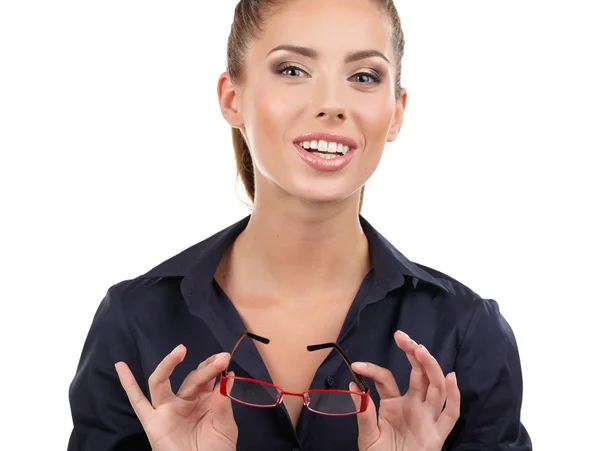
x=324 y=149
x=323 y=160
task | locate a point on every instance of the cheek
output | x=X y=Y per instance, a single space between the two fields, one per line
x=376 y=123
x=268 y=118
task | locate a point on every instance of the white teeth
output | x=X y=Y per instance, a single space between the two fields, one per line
x=324 y=146
x=327 y=156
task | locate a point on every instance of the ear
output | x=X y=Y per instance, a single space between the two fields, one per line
x=229 y=101
x=396 y=124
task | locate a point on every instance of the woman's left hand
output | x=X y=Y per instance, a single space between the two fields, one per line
x=416 y=421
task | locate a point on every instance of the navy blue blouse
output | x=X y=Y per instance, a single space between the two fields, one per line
x=141 y=320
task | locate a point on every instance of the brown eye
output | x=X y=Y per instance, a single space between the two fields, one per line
x=366 y=74
x=289 y=68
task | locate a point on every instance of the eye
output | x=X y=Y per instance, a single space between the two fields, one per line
x=292 y=68
x=367 y=74
x=289 y=67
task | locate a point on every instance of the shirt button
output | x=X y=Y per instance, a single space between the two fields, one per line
x=329 y=380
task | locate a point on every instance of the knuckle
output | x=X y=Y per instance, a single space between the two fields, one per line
x=206 y=362
x=387 y=376
x=200 y=375
x=152 y=380
x=435 y=389
x=137 y=398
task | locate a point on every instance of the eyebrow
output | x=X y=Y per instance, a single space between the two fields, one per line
x=312 y=53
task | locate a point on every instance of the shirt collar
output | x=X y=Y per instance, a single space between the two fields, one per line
x=199 y=262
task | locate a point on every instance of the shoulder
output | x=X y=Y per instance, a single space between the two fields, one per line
x=456 y=293
x=462 y=303
x=163 y=281
x=138 y=297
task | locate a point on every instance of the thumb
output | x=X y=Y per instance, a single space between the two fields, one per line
x=368 y=430
x=223 y=419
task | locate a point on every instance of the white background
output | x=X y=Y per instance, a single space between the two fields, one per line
x=115 y=156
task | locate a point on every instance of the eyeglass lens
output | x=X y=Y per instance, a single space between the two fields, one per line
x=329 y=402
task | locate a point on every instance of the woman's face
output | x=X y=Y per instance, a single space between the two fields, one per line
x=325 y=93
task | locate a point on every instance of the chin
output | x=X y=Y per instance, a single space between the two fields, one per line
x=324 y=194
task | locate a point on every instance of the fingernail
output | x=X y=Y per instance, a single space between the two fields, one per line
x=425 y=349
x=219 y=357
x=176 y=349
x=404 y=335
x=359 y=364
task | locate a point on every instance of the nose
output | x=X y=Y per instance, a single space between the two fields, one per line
x=333 y=113
x=328 y=103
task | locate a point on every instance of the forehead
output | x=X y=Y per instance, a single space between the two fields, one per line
x=330 y=26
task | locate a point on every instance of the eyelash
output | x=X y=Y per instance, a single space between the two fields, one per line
x=291 y=66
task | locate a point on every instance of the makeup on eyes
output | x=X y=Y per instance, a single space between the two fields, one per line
x=278 y=68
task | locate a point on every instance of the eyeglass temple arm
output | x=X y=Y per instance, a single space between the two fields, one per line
x=357 y=377
x=239 y=339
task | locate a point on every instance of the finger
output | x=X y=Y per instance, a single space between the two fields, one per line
x=404 y=342
x=223 y=419
x=159 y=383
x=141 y=406
x=408 y=345
x=451 y=412
x=419 y=382
x=202 y=378
x=368 y=430
x=384 y=379
x=436 y=392
x=230 y=382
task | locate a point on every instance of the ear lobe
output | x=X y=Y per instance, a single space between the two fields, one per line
x=228 y=101
x=392 y=135
x=398 y=117
x=396 y=125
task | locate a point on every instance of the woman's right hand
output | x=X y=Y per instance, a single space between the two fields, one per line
x=197 y=418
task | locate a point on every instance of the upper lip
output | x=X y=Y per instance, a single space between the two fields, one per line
x=330 y=137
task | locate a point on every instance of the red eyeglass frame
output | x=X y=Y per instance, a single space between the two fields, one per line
x=305 y=395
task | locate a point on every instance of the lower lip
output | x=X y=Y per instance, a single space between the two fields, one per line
x=322 y=164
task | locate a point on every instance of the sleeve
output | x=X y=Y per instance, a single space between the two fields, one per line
x=103 y=419
x=488 y=372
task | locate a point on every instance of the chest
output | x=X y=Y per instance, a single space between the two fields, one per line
x=289 y=364
x=290 y=331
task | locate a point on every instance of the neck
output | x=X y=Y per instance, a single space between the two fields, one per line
x=302 y=251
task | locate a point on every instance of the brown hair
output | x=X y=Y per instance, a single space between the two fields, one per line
x=248 y=22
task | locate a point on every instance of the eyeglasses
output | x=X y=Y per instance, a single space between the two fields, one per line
x=256 y=393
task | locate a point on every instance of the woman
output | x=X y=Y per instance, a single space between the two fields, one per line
x=312 y=92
